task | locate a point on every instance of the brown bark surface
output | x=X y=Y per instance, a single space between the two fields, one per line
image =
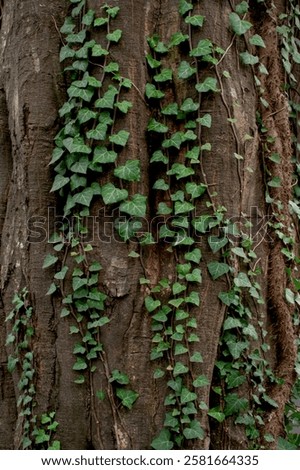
x=32 y=88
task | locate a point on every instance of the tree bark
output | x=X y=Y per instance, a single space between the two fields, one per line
x=32 y=89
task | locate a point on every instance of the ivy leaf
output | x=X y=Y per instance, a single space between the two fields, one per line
x=155 y=126
x=49 y=261
x=183 y=207
x=189 y=106
x=197 y=356
x=100 y=21
x=170 y=110
x=65 y=53
x=238 y=25
x=111 y=194
x=180 y=349
x=163 y=186
x=68 y=26
x=151 y=304
x=164 y=76
x=158 y=156
x=180 y=170
x=177 y=39
x=249 y=59
x=84 y=198
x=195 y=190
x=153 y=63
x=236 y=348
x=231 y=322
x=108 y=99
x=194 y=256
x=257 y=40
x=194 y=276
x=115 y=36
x=119 y=377
x=88 y=18
x=78 y=282
x=193 y=298
x=184 y=7
x=99 y=51
x=185 y=70
x=80 y=364
x=61 y=274
x=152 y=92
x=179 y=369
x=124 y=106
x=102 y=155
x=120 y=138
x=59 y=182
x=130 y=171
x=209 y=84
x=217 y=269
x=235 y=404
x=204 y=47
x=136 y=207
x=81 y=166
x=85 y=114
x=201 y=381
x=194 y=431
x=216 y=414
x=205 y=121
x=187 y=396
x=76 y=38
x=99 y=133
x=163 y=441
x=112 y=11
x=76 y=145
x=84 y=94
x=216 y=243
x=242 y=280
x=196 y=20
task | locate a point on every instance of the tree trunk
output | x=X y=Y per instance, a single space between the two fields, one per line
x=240 y=307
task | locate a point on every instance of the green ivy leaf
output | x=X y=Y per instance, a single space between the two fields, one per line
x=99 y=51
x=78 y=282
x=201 y=381
x=68 y=26
x=235 y=404
x=136 y=207
x=257 y=40
x=99 y=133
x=151 y=304
x=155 y=126
x=119 y=377
x=108 y=99
x=163 y=441
x=189 y=106
x=216 y=243
x=120 y=138
x=88 y=18
x=209 y=84
x=49 y=261
x=65 y=53
x=100 y=21
x=60 y=275
x=152 y=92
x=170 y=110
x=195 y=190
x=201 y=223
x=194 y=276
x=124 y=106
x=76 y=145
x=217 y=269
x=127 y=397
x=81 y=166
x=249 y=59
x=197 y=356
x=238 y=25
x=204 y=48
x=193 y=298
x=231 y=322
x=59 y=182
x=77 y=38
x=194 y=256
x=162 y=186
x=194 y=431
x=115 y=36
x=187 y=396
x=80 y=364
x=227 y=298
x=195 y=20
x=184 y=7
x=164 y=76
x=102 y=155
x=180 y=170
x=216 y=414
x=183 y=207
x=84 y=94
x=111 y=194
x=131 y=171
x=84 y=198
x=236 y=348
x=179 y=369
x=205 y=120
x=85 y=114
x=112 y=11
x=185 y=70
x=153 y=63
x=177 y=39
x=242 y=280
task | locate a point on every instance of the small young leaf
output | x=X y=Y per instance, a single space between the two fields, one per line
x=249 y=59
x=238 y=25
x=115 y=36
x=185 y=70
x=196 y=20
x=257 y=40
x=155 y=126
x=49 y=261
